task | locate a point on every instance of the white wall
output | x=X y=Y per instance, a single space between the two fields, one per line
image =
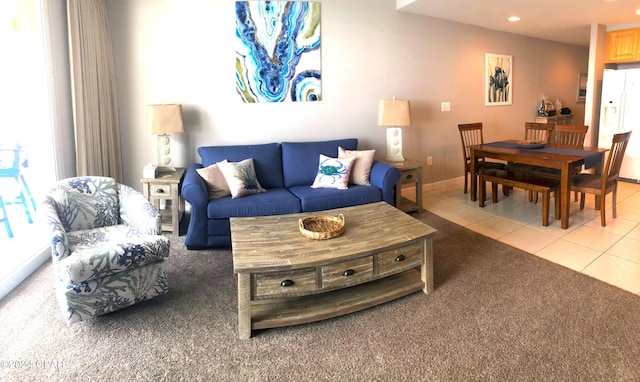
x=183 y=51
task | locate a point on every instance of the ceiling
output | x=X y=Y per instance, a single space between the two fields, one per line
x=566 y=21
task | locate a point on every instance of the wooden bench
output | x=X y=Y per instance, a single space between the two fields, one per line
x=519 y=180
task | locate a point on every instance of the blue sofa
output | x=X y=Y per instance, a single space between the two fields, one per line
x=287 y=171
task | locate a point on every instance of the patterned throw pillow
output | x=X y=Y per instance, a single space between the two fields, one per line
x=241 y=178
x=333 y=172
x=216 y=183
x=361 y=167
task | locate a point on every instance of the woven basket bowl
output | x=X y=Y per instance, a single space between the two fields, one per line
x=322 y=227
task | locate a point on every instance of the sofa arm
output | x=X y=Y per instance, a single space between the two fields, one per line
x=136 y=211
x=385 y=177
x=194 y=190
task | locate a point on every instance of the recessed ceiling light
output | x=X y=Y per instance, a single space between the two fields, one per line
x=514 y=18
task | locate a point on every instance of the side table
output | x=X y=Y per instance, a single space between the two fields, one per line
x=411 y=174
x=166 y=186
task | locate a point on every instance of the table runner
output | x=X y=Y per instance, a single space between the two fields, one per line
x=591 y=158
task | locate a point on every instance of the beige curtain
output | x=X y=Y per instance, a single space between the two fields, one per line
x=95 y=103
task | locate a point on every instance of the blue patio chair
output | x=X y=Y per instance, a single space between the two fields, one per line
x=5 y=219
x=11 y=166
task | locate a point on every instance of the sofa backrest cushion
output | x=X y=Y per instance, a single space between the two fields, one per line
x=301 y=159
x=267 y=160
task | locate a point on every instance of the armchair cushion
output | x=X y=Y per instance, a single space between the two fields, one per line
x=109 y=250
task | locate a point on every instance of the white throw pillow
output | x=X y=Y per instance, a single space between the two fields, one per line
x=361 y=167
x=333 y=172
x=241 y=178
x=216 y=183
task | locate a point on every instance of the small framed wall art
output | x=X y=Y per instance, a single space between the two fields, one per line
x=582 y=87
x=498 y=79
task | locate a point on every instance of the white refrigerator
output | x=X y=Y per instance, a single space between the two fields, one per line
x=620 y=112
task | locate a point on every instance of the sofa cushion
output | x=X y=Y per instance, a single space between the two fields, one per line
x=319 y=199
x=241 y=178
x=216 y=183
x=361 y=167
x=301 y=159
x=267 y=160
x=276 y=201
x=333 y=172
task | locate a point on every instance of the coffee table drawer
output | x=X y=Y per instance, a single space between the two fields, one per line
x=347 y=272
x=285 y=283
x=400 y=258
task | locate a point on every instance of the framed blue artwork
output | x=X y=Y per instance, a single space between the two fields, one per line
x=278 y=51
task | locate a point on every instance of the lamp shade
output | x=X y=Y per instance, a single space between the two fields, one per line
x=163 y=119
x=394 y=112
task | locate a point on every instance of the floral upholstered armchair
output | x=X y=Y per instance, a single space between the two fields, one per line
x=106 y=246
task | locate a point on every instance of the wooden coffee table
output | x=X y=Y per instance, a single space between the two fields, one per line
x=285 y=278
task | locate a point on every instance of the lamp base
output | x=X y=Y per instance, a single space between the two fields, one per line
x=394 y=145
x=165 y=157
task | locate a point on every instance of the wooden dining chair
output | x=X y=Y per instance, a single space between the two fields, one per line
x=471 y=134
x=568 y=136
x=534 y=131
x=607 y=182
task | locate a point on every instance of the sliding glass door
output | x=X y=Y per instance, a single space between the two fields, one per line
x=28 y=161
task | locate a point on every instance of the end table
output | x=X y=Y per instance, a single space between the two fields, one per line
x=166 y=186
x=411 y=174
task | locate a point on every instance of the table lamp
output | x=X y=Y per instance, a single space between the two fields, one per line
x=164 y=120
x=394 y=112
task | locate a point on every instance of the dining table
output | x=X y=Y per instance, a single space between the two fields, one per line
x=569 y=160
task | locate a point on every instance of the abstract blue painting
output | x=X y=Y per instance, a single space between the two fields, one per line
x=278 y=51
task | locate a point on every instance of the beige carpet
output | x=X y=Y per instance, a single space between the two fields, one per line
x=497 y=314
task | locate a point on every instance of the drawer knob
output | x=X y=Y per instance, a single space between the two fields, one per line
x=160 y=191
x=400 y=258
x=286 y=283
x=348 y=272
x=409 y=176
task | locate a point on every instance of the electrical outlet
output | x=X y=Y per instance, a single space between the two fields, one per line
x=429 y=161
x=445 y=106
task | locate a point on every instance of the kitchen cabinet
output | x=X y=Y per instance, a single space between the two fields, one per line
x=622 y=46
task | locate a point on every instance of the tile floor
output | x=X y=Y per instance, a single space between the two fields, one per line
x=610 y=254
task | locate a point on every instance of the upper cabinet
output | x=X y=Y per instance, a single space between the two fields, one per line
x=622 y=45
